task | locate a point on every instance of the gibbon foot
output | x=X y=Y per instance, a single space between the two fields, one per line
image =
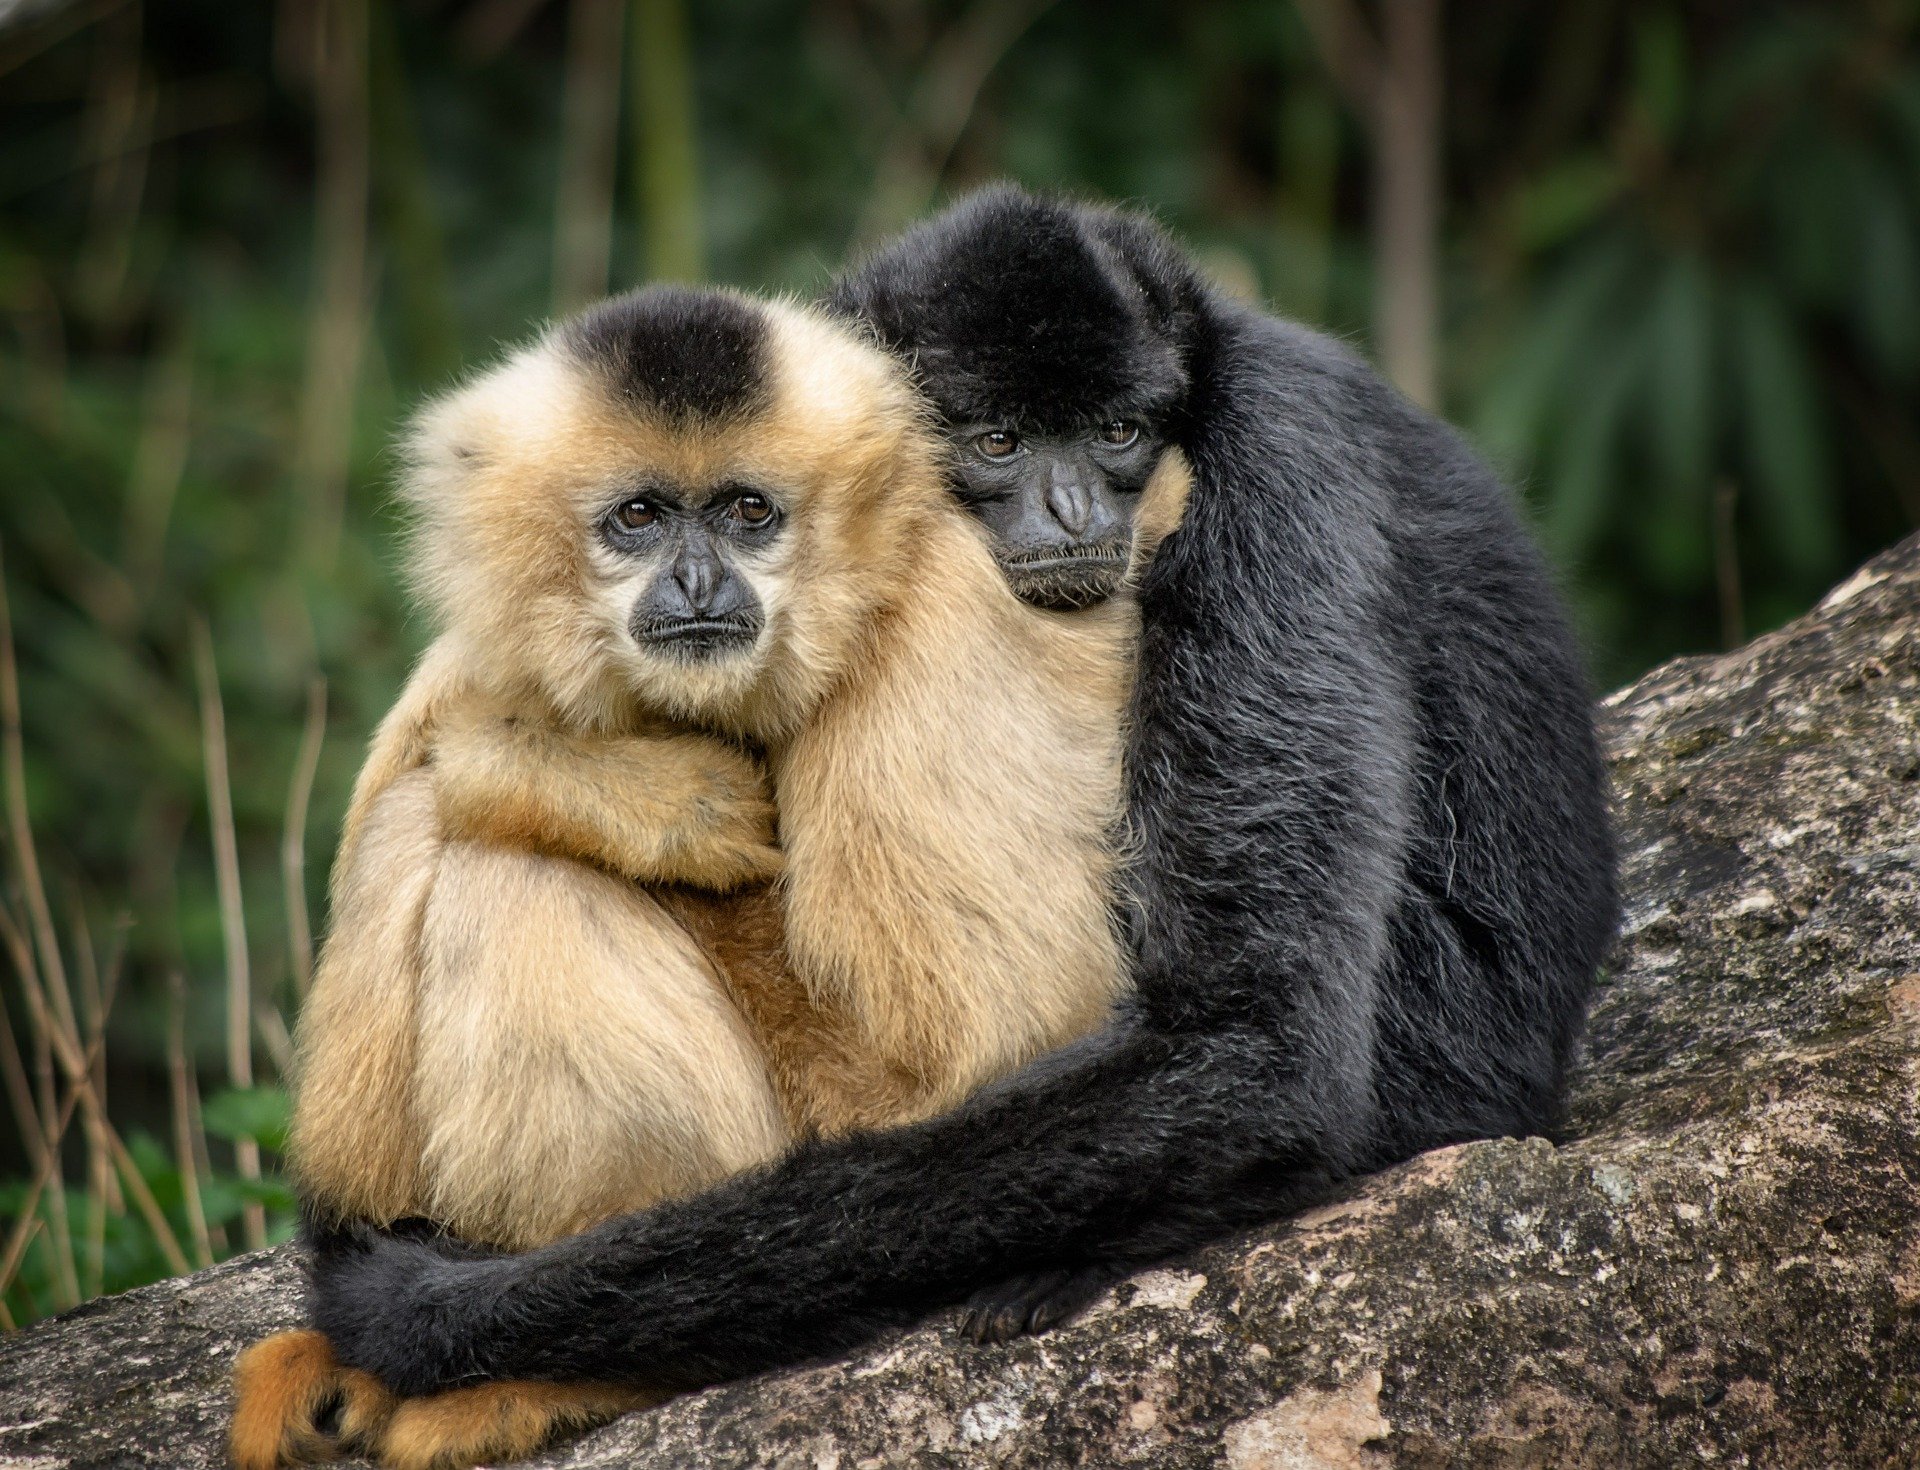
x=294 y=1404
x=1034 y=1303
x=497 y=1421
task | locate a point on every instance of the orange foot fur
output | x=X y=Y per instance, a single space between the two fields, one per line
x=286 y=1389
x=496 y=1421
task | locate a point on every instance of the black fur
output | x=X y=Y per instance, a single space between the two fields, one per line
x=690 y=356
x=999 y=335
x=1375 y=872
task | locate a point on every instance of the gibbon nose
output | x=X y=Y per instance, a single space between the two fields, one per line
x=1072 y=502
x=699 y=576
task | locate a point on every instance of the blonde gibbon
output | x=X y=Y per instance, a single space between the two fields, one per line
x=692 y=558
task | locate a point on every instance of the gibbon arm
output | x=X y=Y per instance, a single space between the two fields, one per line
x=653 y=808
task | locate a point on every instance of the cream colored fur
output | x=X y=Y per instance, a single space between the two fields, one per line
x=509 y=1033
x=946 y=765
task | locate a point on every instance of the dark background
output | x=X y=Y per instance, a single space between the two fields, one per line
x=1658 y=259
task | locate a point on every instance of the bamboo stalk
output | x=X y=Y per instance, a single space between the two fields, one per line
x=1394 y=84
x=149 y=1207
x=1726 y=564
x=27 y=1223
x=97 y=1040
x=117 y=134
x=1406 y=199
x=666 y=166
x=233 y=921
x=490 y=26
x=293 y=838
x=589 y=127
x=26 y=1229
x=337 y=324
x=412 y=237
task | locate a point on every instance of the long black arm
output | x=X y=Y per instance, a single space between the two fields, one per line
x=845 y=1239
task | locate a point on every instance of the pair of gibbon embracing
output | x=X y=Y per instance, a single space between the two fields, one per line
x=691 y=556
x=1369 y=869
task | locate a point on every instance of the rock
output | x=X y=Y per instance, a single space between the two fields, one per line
x=1722 y=1267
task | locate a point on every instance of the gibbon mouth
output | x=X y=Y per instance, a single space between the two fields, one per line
x=1068 y=577
x=695 y=638
x=1096 y=557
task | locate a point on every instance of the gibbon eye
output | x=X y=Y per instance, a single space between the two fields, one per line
x=997 y=443
x=753 y=510
x=1120 y=433
x=635 y=514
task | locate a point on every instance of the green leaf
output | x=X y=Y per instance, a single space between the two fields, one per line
x=1553 y=206
x=1513 y=416
x=1680 y=379
x=1584 y=472
x=1784 y=446
x=259 y=1113
x=1755 y=67
x=1660 y=72
x=1886 y=288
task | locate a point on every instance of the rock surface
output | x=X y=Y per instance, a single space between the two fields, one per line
x=1723 y=1267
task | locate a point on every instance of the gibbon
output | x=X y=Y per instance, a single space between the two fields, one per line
x=679 y=536
x=1371 y=866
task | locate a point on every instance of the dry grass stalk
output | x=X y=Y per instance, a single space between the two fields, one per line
x=233 y=920
x=26 y=1231
x=13 y=1073
x=293 y=838
x=77 y=1065
x=65 y=1274
x=13 y=772
x=181 y=1086
x=102 y=1194
x=19 y=829
x=276 y=1036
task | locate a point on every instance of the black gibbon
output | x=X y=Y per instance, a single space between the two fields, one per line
x=1372 y=874
x=681 y=527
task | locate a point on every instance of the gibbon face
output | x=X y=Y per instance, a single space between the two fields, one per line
x=1060 y=507
x=1055 y=370
x=681 y=503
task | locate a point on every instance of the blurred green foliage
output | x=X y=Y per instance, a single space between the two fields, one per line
x=1680 y=267
x=113 y=1249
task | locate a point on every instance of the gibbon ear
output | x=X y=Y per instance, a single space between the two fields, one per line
x=463 y=431
x=442 y=445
